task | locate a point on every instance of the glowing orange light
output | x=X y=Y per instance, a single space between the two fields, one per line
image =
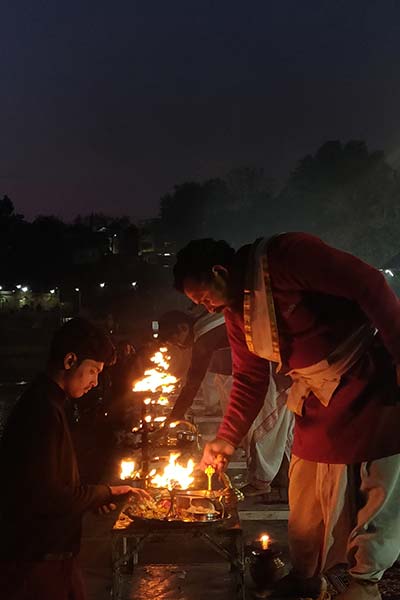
x=157 y=379
x=175 y=475
x=127 y=469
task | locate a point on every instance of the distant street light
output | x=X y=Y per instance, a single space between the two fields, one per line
x=1 y=287
x=102 y=284
x=52 y=291
x=19 y=286
x=134 y=284
x=25 y=288
x=79 y=299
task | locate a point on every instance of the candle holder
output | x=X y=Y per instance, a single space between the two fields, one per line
x=265 y=562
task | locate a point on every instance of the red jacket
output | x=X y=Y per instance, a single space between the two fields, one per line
x=321 y=295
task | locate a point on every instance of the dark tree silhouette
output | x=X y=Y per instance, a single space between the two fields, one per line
x=349 y=196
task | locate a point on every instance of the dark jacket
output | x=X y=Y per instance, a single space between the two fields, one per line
x=42 y=500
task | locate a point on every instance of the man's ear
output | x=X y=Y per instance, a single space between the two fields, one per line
x=183 y=327
x=220 y=272
x=70 y=361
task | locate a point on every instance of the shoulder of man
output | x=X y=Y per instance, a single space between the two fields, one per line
x=207 y=323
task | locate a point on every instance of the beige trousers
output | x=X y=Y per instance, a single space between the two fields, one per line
x=344 y=514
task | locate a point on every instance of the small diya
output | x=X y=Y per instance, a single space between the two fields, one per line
x=265 y=561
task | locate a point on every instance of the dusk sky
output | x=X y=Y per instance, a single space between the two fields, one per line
x=104 y=106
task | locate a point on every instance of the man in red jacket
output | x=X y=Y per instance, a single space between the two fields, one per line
x=42 y=499
x=331 y=323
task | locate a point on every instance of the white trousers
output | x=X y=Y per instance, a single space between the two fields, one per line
x=344 y=514
x=216 y=389
x=270 y=437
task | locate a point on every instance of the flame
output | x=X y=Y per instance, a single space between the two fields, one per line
x=157 y=379
x=175 y=475
x=265 y=541
x=160 y=361
x=163 y=401
x=127 y=469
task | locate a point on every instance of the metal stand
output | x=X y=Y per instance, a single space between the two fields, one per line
x=225 y=538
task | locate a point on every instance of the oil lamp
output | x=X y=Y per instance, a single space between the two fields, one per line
x=265 y=561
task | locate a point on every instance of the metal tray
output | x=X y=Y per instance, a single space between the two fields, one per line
x=176 y=523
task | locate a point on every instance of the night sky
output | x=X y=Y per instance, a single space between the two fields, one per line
x=104 y=106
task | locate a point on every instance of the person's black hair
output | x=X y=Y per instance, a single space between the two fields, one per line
x=196 y=260
x=169 y=322
x=83 y=339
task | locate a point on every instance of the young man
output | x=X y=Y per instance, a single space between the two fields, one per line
x=42 y=499
x=331 y=323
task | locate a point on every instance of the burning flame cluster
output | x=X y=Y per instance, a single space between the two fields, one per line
x=157 y=379
x=175 y=475
x=159 y=383
x=127 y=469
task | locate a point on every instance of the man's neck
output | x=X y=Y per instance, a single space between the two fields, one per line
x=57 y=376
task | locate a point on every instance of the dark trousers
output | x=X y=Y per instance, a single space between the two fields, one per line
x=41 y=580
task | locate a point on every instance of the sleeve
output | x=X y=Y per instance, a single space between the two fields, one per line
x=201 y=358
x=305 y=262
x=50 y=466
x=250 y=385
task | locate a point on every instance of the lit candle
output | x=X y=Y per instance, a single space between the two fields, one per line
x=265 y=540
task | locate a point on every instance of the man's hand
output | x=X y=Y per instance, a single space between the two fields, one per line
x=216 y=453
x=106 y=509
x=118 y=491
x=128 y=490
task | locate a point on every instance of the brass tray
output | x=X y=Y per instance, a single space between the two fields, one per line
x=181 y=508
x=174 y=523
